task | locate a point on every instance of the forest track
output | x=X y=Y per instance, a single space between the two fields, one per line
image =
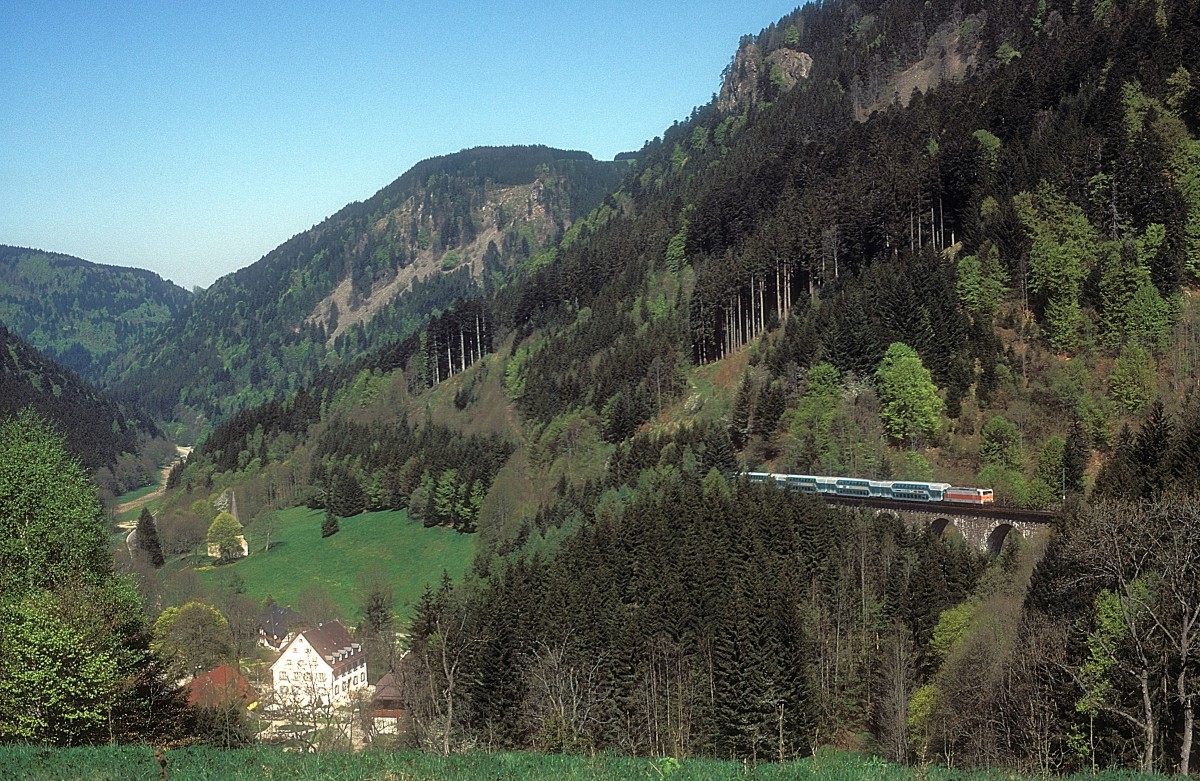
x=133 y=504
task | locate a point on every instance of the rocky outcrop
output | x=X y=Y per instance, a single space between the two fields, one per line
x=752 y=77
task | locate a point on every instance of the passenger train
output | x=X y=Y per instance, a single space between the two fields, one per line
x=853 y=487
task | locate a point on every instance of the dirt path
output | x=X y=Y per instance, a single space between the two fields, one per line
x=183 y=452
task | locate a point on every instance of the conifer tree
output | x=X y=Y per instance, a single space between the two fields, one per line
x=146 y=534
x=420 y=502
x=329 y=526
x=445 y=497
x=1076 y=456
x=718 y=450
x=1151 y=450
x=771 y=404
x=739 y=424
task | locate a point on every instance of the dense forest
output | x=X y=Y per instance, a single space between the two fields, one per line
x=367 y=276
x=122 y=450
x=85 y=316
x=816 y=625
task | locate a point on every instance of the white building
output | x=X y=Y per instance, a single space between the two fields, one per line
x=320 y=666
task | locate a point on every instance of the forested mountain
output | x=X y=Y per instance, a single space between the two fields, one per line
x=923 y=239
x=85 y=316
x=1027 y=231
x=979 y=282
x=97 y=431
x=367 y=276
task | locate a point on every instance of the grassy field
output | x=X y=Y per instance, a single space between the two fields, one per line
x=406 y=552
x=137 y=493
x=138 y=762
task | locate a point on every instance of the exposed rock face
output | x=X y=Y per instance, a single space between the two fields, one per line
x=740 y=82
x=532 y=205
x=949 y=54
x=751 y=76
x=791 y=66
x=947 y=57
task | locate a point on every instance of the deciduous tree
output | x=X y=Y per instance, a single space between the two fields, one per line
x=225 y=532
x=911 y=407
x=50 y=524
x=192 y=638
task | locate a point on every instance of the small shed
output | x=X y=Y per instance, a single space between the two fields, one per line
x=387 y=706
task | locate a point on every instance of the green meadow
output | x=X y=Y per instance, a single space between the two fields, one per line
x=111 y=763
x=407 y=553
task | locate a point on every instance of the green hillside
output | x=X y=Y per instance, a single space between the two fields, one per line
x=367 y=276
x=101 y=433
x=918 y=240
x=85 y=316
x=409 y=555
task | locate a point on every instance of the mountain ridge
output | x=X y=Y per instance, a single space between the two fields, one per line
x=85 y=315
x=409 y=250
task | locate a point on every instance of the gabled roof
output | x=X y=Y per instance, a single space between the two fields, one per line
x=332 y=641
x=220 y=686
x=278 y=621
x=387 y=691
x=387 y=702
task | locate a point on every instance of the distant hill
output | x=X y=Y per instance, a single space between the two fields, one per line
x=83 y=315
x=97 y=430
x=370 y=274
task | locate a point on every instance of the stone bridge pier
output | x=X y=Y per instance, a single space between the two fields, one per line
x=984 y=532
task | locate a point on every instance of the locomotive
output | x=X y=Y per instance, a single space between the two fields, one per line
x=858 y=488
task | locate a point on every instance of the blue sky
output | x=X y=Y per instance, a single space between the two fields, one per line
x=193 y=138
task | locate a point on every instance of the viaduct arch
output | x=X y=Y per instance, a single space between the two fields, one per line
x=985 y=529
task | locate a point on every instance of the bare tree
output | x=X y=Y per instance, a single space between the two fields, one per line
x=313 y=719
x=1147 y=559
x=566 y=698
x=433 y=672
x=896 y=685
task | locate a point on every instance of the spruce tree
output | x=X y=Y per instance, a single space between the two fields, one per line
x=329 y=526
x=771 y=404
x=146 y=535
x=1185 y=456
x=1076 y=456
x=739 y=424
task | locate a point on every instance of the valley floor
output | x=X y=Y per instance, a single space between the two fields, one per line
x=113 y=763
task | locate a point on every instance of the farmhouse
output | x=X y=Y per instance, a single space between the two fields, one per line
x=320 y=666
x=277 y=626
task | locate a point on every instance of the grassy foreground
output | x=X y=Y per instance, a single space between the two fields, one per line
x=119 y=763
x=406 y=552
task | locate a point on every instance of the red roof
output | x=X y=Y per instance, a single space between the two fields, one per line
x=220 y=686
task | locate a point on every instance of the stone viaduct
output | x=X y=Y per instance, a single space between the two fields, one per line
x=982 y=526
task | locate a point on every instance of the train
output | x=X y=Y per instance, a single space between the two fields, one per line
x=858 y=488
